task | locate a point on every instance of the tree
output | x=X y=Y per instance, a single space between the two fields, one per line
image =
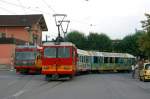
x=130 y=44
x=100 y=42
x=144 y=41
x=116 y=46
x=77 y=38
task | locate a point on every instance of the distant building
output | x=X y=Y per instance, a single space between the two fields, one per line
x=19 y=29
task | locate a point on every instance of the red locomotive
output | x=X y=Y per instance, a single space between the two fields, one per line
x=59 y=60
x=27 y=59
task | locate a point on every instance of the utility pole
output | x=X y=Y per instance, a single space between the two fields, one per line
x=47 y=38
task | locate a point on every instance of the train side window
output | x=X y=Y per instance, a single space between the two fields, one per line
x=84 y=59
x=116 y=60
x=111 y=60
x=95 y=59
x=81 y=58
x=87 y=59
x=105 y=59
x=100 y=59
x=121 y=60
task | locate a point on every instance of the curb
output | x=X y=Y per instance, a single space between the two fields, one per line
x=7 y=69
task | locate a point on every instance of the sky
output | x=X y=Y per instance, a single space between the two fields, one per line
x=115 y=18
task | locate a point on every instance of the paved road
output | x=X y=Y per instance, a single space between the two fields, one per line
x=93 y=86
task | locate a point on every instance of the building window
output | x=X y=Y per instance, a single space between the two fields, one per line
x=35 y=38
x=2 y=35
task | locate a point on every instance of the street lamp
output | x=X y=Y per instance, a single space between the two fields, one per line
x=47 y=37
x=91 y=28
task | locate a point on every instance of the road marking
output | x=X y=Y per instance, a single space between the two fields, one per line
x=11 y=83
x=19 y=93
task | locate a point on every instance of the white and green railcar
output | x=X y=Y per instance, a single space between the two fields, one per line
x=108 y=61
x=84 y=64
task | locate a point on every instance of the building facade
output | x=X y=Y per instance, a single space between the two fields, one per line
x=19 y=30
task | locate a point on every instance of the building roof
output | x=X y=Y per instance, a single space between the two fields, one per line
x=23 y=20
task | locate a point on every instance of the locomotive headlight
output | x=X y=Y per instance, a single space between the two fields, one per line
x=45 y=67
x=67 y=67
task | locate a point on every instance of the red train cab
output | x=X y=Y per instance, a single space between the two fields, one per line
x=59 y=60
x=26 y=60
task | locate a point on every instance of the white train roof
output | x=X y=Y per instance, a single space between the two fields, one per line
x=129 y=55
x=109 y=54
x=83 y=52
x=123 y=55
x=27 y=46
x=104 y=54
x=61 y=44
x=94 y=53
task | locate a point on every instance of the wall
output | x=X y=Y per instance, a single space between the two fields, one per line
x=22 y=34
x=7 y=51
x=16 y=32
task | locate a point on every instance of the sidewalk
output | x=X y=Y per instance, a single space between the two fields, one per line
x=5 y=67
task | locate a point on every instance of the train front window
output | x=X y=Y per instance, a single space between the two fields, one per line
x=60 y=52
x=63 y=52
x=25 y=55
x=50 y=52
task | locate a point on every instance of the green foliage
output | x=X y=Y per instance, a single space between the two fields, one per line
x=144 y=41
x=94 y=41
x=77 y=38
x=146 y=23
x=100 y=42
x=130 y=44
x=116 y=46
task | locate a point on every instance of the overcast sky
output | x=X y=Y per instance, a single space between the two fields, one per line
x=116 y=18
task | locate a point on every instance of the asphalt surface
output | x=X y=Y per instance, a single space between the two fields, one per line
x=91 y=86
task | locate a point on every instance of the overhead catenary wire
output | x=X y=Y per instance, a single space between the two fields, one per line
x=7 y=10
x=37 y=10
x=49 y=6
x=16 y=5
x=22 y=6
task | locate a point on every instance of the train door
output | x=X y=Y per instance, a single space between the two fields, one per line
x=74 y=59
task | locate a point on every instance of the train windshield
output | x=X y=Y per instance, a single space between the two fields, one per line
x=25 y=55
x=60 y=52
x=50 y=52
